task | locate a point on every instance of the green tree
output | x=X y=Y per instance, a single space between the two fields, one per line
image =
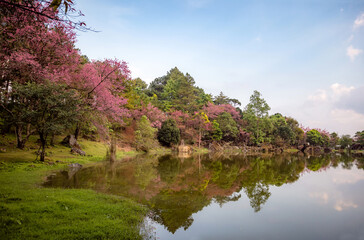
x=314 y=137
x=256 y=117
x=228 y=126
x=257 y=105
x=334 y=139
x=282 y=132
x=180 y=92
x=135 y=90
x=169 y=133
x=345 y=141
x=359 y=137
x=156 y=87
x=325 y=140
x=222 y=99
x=145 y=135
x=202 y=98
x=48 y=107
x=299 y=134
x=216 y=133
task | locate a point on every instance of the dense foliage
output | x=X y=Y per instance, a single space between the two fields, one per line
x=38 y=52
x=169 y=133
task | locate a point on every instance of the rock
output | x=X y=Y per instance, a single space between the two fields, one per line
x=70 y=141
x=78 y=151
x=75 y=165
x=2 y=150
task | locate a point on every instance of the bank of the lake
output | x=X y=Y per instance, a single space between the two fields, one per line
x=29 y=211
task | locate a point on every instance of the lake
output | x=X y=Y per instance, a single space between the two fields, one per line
x=235 y=197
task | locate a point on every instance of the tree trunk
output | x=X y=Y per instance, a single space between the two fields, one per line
x=20 y=142
x=52 y=140
x=43 y=142
x=77 y=131
x=199 y=138
x=258 y=131
x=113 y=149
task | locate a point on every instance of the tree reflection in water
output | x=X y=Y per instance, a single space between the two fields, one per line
x=175 y=188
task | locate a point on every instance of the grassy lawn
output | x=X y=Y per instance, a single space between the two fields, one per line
x=29 y=211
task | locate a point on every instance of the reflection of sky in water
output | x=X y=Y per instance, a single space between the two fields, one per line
x=320 y=205
x=236 y=197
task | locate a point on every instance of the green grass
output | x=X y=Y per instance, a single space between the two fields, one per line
x=29 y=211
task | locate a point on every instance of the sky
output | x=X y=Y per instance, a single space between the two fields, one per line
x=306 y=57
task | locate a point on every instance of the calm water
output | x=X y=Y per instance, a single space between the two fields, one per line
x=236 y=197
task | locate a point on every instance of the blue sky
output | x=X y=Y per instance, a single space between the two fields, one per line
x=305 y=57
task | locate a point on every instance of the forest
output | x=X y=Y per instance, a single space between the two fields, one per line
x=49 y=88
x=63 y=114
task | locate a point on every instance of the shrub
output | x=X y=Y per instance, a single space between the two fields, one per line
x=314 y=137
x=169 y=133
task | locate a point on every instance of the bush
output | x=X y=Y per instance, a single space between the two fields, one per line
x=169 y=133
x=314 y=137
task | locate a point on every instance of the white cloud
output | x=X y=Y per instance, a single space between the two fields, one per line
x=323 y=197
x=359 y=21
x=347 y=177
x=341 y=205
x=353 y=52
x=339 y=89
x=353 y=100
x=347 y=120
x=333 y=94
x=319 y=96
x=338 y=108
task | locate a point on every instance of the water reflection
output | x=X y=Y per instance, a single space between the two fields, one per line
x=176 y=188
